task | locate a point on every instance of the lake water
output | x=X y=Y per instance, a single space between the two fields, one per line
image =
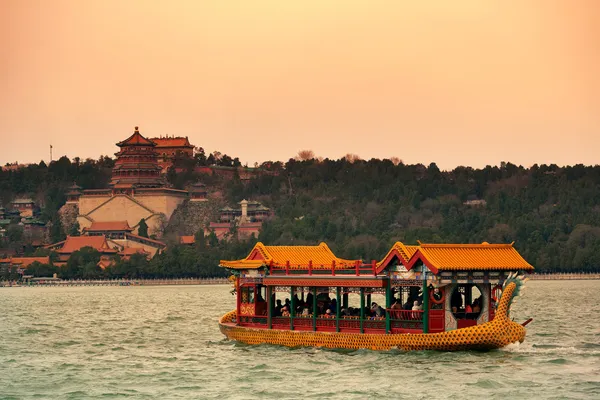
x=164 y=343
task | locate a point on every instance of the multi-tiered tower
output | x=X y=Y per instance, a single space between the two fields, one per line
x=136 y=165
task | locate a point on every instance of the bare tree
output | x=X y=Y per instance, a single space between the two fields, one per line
x=352 y=158
x=305 y=155
x=395 y=160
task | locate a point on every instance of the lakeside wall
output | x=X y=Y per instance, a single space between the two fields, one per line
x=118 y=282
x=225 y=281
x=563 y=277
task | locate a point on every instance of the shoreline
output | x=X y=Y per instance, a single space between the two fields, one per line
x=564 y=277
x=224 y=281
x=120 y=282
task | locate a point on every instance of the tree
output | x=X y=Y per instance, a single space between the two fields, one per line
x=82 y=263
x=143 y=228
x=57 y=233
x=75 y=229
x=305 y=155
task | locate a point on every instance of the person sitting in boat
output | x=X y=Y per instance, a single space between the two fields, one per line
x=396 y=309
x=285 y=311
x=328 y=314
x=468 y=309
x=409 y=304
x=416 y=307
x=456 y=301
x=376 y=310
x=305 y=312
x=278 y=308
x=333 y=306
x=287 y=304
x=477 y=305
x=309 y=300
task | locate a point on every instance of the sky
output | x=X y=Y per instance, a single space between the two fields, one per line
x=461 y=82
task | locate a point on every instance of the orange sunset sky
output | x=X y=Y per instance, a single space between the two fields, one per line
x=457 y=82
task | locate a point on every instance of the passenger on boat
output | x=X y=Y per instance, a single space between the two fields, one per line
x=309 y=300
x=456 y=301
x=376 y=310
x=285 y=311
x=278 y=308
x=477 y=305
x=409 y=304
x=416 y=307
x=468 y=309
x=305 y=312
x=333 y=306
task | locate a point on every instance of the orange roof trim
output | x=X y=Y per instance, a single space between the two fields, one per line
x=299 y=257
x=24 y=262
x=399 y=250
x=469 y=257
x=187 y=239
x=74 y=243
x=136 y=139
x=171 y=142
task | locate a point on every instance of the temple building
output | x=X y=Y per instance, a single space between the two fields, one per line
x=76 y=243
x=243 y=222
x=109 y=239
x=74 y=194
x=198 y=192
x=168 y=147
x=21 y=263
x=26 y=207
x=136 y=191
x=136 y=165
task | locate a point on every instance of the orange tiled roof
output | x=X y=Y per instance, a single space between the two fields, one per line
x=136 y=139
x=24 y=262
x=187 y=239
x=298 y=256
x=403 y=251
x=128 y=251
x=74 y=243
x=105 y=263
x=171 y=142
x=109 y=226
x=470 y=257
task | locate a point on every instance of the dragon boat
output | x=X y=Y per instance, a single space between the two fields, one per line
x=437 y=297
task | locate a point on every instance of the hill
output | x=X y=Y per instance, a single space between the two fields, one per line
x=361 y=207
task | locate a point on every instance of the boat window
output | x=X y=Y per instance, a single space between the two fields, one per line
x=248 y=294
x=261 y=293
x=466 y=301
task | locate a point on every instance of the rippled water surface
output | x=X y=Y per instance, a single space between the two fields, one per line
x=163 y=342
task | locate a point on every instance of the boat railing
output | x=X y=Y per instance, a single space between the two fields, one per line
x=321 y=322
x=357 y=269
x=405 y=319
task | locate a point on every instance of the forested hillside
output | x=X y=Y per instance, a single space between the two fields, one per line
x=552 y=214
x=360 y=208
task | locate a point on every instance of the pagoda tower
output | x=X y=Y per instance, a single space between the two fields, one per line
x=136 y=165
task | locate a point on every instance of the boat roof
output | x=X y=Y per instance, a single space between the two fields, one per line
x=299 y=257
x=469 y=257
x=436 y=257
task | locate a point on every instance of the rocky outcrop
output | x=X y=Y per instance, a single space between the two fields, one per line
x=191 y=216
x=68 y=215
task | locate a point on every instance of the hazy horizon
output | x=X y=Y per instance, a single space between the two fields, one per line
x=466 y=82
